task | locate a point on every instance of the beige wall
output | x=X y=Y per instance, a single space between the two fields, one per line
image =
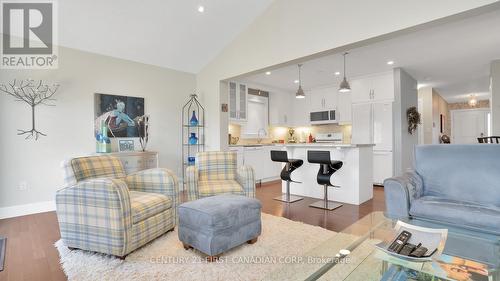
x=425 y=100
x=439 y=107
x=433 y=106
x=292 y=29
x=69 y=125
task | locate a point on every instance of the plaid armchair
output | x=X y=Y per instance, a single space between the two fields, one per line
x=104 y=210
x=215 y=172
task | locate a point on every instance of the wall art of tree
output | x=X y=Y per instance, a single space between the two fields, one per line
x=34 y=94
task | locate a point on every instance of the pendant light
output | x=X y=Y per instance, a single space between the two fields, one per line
x=344 y=85
x=300 y=93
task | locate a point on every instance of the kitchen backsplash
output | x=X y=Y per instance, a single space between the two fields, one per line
x=301 y=133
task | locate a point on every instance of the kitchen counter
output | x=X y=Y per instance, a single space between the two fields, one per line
x=355 y=178
x=322 y=144
x=314 y=144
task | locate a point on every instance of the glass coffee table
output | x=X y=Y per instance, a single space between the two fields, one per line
x=351 y=255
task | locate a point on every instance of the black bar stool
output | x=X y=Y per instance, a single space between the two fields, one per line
x=327 y=168
x=290 y=166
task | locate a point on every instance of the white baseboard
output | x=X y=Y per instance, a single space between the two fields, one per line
x=27 y=209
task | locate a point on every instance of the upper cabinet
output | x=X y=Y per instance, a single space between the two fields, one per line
x=238 y=107
x=281 y=109
x=301 y=110
x=344 y=108
x=378 y=87
x=323 y=99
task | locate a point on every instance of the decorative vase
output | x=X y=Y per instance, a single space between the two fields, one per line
x=103 y=144
x=193 y=139
x=194 y=120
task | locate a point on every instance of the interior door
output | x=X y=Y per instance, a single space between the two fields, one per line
x=468 y=125
x=362 y=123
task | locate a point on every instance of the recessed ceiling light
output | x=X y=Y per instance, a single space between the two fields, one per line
x=390 y=62
x=337 y=73
x=201 y=9
x=296 y=81
x=268 y=73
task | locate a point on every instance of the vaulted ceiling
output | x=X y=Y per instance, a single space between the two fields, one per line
x=167 y=33
x=454 y=58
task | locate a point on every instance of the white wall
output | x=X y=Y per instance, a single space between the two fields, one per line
x=495 y=98
x=69 y=125
x=292 y=29
x=405 y=96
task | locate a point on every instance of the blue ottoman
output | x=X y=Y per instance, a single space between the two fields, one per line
x=216 y=224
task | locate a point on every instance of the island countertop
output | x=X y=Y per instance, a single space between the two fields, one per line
x=318 y=144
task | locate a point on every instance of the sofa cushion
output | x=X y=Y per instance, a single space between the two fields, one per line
x=145 y=205
x=213 y=187
x=457 y=212
x=460 y=172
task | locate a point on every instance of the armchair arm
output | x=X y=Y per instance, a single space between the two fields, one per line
x=246 y=178
x=400 y=192
x=95 y=215
x=157 y=180
x=192 y=183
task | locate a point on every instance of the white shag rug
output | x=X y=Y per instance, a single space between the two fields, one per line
x=166 y=259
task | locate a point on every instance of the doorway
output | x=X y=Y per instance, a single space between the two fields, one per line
x=469 y=124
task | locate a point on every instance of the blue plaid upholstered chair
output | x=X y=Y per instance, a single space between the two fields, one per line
x=102 y=209
x=216 y=172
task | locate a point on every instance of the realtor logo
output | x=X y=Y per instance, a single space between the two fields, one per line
x=28 y=35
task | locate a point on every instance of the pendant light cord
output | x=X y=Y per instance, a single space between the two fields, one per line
x=300 y=79
x=344 y=62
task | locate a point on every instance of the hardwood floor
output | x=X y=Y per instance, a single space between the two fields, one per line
x=31 y=254
x=335 y=220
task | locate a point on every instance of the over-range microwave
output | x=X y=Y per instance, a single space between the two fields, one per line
x=323 y=117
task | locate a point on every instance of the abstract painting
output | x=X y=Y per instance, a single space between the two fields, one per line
x=119 y=113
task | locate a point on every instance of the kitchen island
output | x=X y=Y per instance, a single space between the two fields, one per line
x=355 y=178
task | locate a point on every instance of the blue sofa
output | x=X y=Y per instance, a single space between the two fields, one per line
x=454 y=184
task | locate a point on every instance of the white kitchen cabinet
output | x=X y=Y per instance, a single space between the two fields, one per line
x=323 y=99
x=360 y=90
x=344 y=108
x=379 y=87
x=238 y=102
x=383 y=87
x=259 y=158
x=301 y=109
x=382 y=126
x=239 y=154
x=362 y=124
x=372 y=123
x=382 y=166
x=281 y=109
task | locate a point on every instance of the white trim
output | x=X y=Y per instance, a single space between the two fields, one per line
x=27 y=209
